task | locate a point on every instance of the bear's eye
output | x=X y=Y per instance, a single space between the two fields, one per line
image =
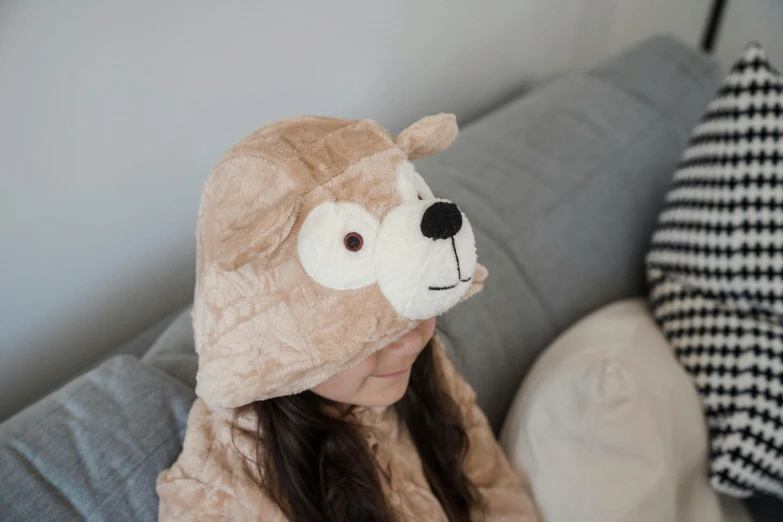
x=337 y=245
x=353 y=241
x=420 y=198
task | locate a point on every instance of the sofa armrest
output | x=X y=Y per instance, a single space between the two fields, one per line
x=93 y=449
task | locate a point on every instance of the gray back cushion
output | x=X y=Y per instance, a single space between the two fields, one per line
x=563 y=188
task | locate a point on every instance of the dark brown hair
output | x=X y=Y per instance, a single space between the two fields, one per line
x=317 y=467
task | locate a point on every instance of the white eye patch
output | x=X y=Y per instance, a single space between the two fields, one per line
x=336 y=245
x=410 y=184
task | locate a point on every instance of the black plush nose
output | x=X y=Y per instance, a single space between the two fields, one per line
x=441 y=220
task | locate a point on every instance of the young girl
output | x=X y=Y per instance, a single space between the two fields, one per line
x=324 y=394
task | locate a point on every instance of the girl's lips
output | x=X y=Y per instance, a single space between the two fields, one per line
x=394 y=374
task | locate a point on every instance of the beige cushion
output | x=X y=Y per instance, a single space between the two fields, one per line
x=610 y=429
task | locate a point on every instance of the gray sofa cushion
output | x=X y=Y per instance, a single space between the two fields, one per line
x=174 y=351
x=93 y=449
x=563 y=188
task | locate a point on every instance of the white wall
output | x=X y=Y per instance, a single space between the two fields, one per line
x=751 y=20
x=609 y=26
x=112 y=113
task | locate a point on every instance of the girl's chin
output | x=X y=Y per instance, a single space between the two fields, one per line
x=386 y=394
x=393 y=392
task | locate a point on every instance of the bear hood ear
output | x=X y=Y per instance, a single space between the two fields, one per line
x=429 y=135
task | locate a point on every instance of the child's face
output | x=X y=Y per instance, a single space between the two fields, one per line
x=382 y=378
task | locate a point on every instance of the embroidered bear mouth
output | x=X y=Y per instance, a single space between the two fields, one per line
x=452 y=286
x=459 y=274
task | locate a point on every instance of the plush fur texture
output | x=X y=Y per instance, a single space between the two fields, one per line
x=275 y=311
x=266 y=327
x=214 y=481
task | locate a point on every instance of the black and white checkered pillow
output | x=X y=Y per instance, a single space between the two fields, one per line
x=716 y=275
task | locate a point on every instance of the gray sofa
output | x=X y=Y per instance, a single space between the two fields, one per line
x=562 y=186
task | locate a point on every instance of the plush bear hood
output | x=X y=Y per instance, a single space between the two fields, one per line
x=318 y=243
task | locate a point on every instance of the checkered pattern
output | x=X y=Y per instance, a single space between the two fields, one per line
x=716 y=275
